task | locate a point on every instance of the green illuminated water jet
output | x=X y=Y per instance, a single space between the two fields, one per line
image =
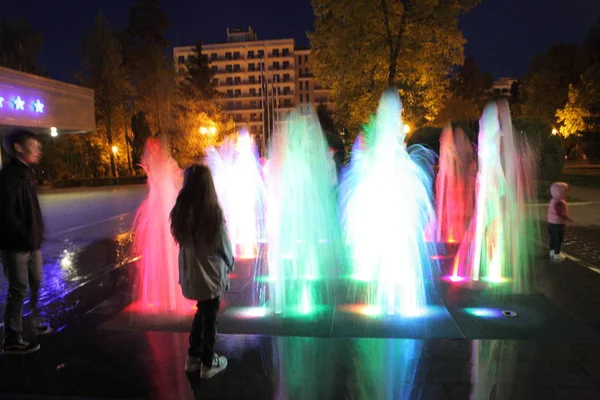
x=304 y=239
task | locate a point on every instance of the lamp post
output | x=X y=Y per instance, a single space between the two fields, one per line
x=114 y=150
x=208 y=130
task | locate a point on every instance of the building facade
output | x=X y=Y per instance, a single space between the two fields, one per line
x=259 y=81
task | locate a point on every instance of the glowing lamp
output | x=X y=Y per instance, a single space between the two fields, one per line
x=203 y=130
x=53 y=131
x=212 y=130
x=115 y=149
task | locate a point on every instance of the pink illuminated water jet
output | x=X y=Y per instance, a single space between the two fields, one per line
x=157 y=275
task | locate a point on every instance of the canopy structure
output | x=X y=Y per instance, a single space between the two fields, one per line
x=40 y=104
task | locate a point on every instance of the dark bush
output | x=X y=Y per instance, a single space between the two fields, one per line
x=591 y=146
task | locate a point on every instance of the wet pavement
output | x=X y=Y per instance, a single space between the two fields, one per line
x=87 y=359
x=94 y=355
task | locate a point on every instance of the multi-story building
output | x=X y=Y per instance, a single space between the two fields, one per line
x=502 y=86
x=259 y=81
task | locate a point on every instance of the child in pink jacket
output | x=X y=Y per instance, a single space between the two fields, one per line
x=558 y=215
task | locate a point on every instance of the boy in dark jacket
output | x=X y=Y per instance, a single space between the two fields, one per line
x=21 y=235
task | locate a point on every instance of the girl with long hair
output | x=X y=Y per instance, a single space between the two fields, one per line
x=205 y=259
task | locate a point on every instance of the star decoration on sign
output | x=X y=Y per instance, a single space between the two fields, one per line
x=1 y=101
x=19 y=104
x=39 y=106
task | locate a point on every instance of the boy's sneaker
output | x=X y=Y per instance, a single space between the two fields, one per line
x=43 y=329
x=560 y=257
x=19 y=348
x=192 y=364
x=551 y=254
x=219 y=364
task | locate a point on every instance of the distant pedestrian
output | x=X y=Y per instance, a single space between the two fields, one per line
x=205 y=259
x=558 y=215
x=21 y=234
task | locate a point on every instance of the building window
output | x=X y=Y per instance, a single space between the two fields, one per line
x=251 y=67
x=286 y=90
x=229 y=80
x=236 y=55
x=306 y=58
x=181 y=59
x=238 y=92
x=275 y=52
x=230 y=93
x=230 y=105
x=215 y=82
x=238 y=106
x=261 y=53
x=286 y=64
x=301 y=98
x=299 y=60
x=253 y=115
x=276 y=65
x=307 y=98
x=288 y=103
x=215 y=69
x=236 y=68
x=306 y=85
x=305 y=71
x=229 y=68
x=253 y=105
x=251 y=54
x=213 y=56
x=205 y=57
x=300 y=74
x=252 y=79
x=286 y=52
x=252 y=92
x=228 y=55
x=286 y=77
x=189 y=58
x=237 y=80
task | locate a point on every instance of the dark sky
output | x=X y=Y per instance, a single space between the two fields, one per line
x=502 y=35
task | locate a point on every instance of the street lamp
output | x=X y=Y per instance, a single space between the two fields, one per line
x=114 y=150
x=53 y=131
x=406 y=129
x=554 y=131
x=204 y=130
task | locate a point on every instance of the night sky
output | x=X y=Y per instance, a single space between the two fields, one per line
x=502 y=35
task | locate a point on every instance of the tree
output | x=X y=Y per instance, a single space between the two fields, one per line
x=140 y=133
x=104 y=72
x=457 y=109
x=471 y=83
x=581 y=114
x=144 y=54
x=19 y=45
x=326 y=118
x=546 y=87
x=197 y=77
x=592 y=44
x=363 y=47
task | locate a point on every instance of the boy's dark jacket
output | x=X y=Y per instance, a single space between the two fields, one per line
x=21 y=223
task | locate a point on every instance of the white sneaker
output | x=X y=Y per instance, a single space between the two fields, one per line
x=551 y=254
x=560 y=257
x=192 y=364
x=219 y=364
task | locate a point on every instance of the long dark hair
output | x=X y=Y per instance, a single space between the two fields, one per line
x=197 y=216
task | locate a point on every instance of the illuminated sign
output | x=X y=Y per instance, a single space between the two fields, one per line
x=18 y=104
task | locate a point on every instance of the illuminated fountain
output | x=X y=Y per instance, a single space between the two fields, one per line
x=157 y=273
x=497 y=247
x=386 y=208
x=455 y=185
x=239 y=183
x=304 y=239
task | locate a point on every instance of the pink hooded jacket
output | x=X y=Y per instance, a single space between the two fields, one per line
x=558 y=212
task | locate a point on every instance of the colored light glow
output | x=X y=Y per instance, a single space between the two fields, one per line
x=19 y=104
x=1 y=102
x=304 y=249
x=250 y=312
x=498 y=246
x=237 y=175
x=484 y=312
x=455 y=278
x=455 y=185
x=386 y=207
x=39 y=106
x=157 y=269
